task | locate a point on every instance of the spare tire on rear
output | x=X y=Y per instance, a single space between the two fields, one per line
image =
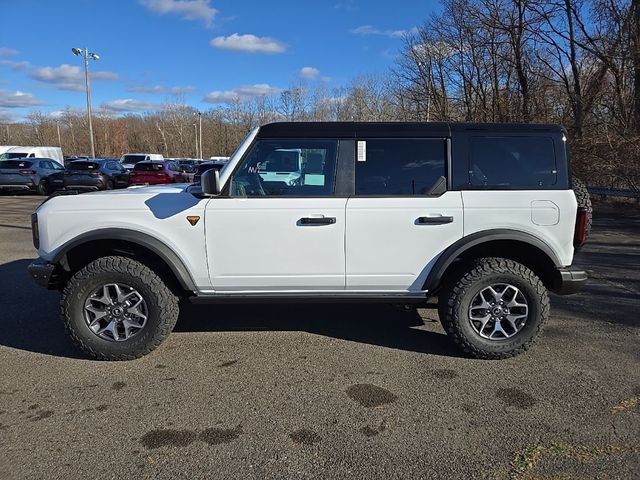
x=583 y=198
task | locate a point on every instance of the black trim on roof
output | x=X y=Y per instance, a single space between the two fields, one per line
x=282 y=130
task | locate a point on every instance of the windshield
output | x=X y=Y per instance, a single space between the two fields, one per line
x=83 y=166
x=15 y=164
x=132 y=159
x=148 y=167
x=7 y=155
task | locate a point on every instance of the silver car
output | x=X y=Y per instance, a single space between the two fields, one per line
x=30 y=174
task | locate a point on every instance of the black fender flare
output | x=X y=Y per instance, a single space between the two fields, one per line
x=452 y=252
x=145 y=240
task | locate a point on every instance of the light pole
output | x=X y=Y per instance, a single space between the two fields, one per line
x=86 y=54
x=195 y=131
x=199 y=113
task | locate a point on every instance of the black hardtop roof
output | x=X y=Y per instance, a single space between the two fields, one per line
x=392 y=129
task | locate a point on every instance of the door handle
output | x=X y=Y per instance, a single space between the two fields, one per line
x=435 y=220
x=317 y=220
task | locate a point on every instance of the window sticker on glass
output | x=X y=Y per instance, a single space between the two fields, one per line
x=362 y=151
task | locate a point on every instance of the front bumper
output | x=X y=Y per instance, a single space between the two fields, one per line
x=569 y=281
x=42 y=272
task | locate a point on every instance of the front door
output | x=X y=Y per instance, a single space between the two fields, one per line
x=278 y=227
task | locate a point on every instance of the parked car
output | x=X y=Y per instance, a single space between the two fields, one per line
x=481 y=217
x=53 y=153
x=188 y=166
x=101 y=174
x=204 y=166
x=156 y=172
x=30 y=174
x=128 y=160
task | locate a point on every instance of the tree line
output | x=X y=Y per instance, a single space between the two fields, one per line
x=573 y=62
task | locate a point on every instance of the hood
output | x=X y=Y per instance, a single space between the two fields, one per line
x=132 y=198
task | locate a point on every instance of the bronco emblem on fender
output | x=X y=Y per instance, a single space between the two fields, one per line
x=193 y=219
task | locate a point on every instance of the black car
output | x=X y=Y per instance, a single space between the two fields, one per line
x=188 y=166
x=204 y=166
x=41 y=175
x=98 y=174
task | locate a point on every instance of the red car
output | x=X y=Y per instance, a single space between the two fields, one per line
x=156 y=172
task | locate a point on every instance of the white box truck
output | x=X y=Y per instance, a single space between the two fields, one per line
x=54 y=153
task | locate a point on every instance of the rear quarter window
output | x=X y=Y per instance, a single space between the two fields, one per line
x=511 y=161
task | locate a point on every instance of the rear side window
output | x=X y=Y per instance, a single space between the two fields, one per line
x=148 y=167
x=15 y=164
x=512 y=161
x=401 y=167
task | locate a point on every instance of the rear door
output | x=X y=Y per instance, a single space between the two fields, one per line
x=398 y=221
x=278 y=236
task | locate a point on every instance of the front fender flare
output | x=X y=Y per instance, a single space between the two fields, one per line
x=145 y=240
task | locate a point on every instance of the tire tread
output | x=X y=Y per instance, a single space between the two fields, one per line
x=453 y=294
x=167 y=304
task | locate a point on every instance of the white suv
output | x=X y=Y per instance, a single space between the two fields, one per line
x=480 y=216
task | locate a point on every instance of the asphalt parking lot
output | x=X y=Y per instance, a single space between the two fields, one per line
x=325 y=391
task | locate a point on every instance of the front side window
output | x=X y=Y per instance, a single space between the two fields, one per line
x=399 y=167
x=512 y=161
x=287 y=167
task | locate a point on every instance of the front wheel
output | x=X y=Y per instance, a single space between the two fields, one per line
x=116 y=308
x=495 y=309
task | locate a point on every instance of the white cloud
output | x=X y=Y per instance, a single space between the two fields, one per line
x=246 y=92
x=187 y=9
x=348 y=5
x=16 y=66
x=18 y=99
x=130 y=105
x=183 y=90
x=310 y=73
x=68 y=77
x=7 y=116
x=146 y=89
x=369 y=30
x=8 y=52
x=249 y=43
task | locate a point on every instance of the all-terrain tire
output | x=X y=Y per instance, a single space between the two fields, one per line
x=584 y=199
x=161 y=303
x=457 y=295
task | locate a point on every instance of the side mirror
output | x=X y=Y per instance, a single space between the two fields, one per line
x=210 y=182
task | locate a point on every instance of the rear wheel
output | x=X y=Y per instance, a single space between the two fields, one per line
x=495 y=309
x=43 y=187
x=118 y=309
x=110 y=185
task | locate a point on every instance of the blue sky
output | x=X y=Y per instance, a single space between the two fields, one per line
x=206 y=51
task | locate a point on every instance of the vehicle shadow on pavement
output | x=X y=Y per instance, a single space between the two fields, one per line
x=29 y=315
x=374 y=324
x=29 y=320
